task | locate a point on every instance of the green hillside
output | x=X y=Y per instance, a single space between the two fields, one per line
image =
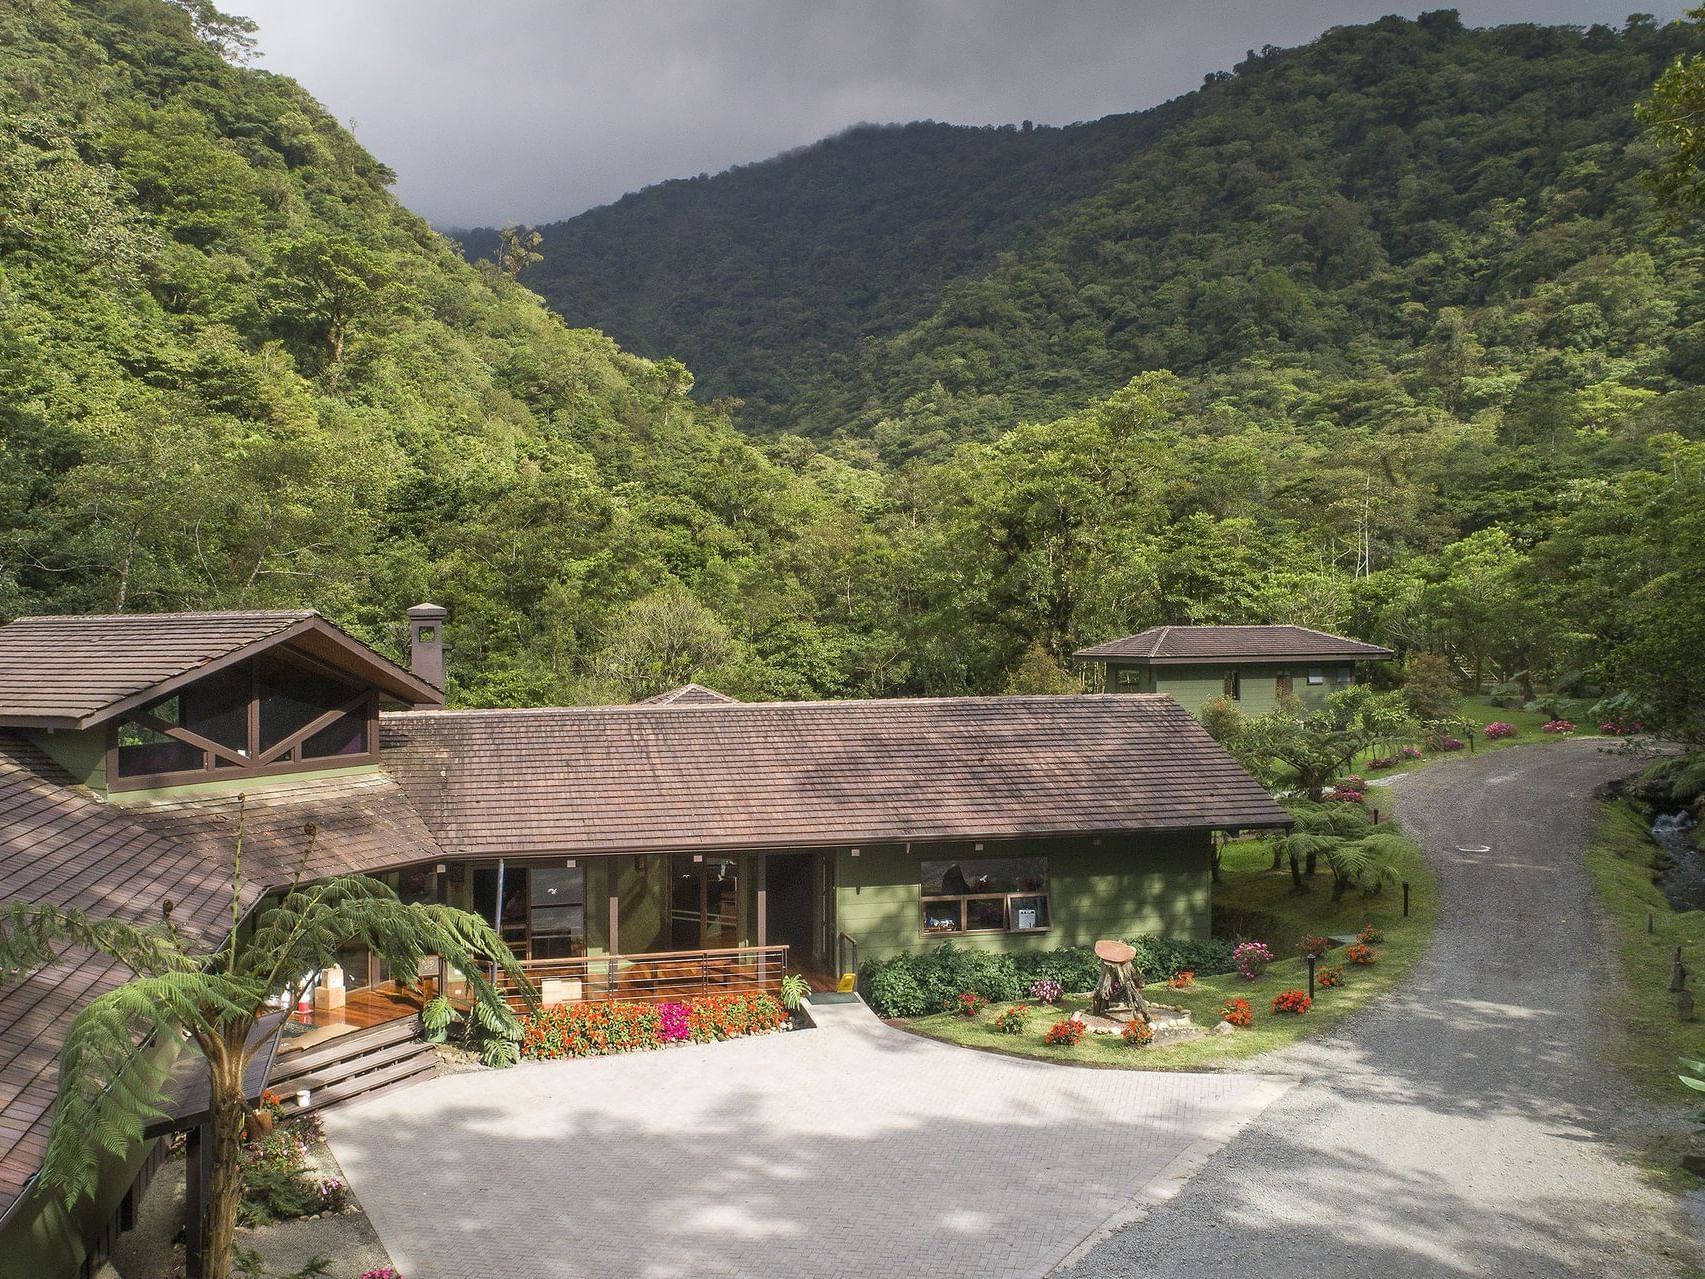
x=235 y=372
x=1384 y=335
x=757 y=276
x=1320 y=207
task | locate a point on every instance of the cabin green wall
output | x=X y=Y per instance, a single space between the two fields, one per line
x=1121 y=887
x=235 y=785
x=1193 y=687
x=45 y=1240
x=82 y=753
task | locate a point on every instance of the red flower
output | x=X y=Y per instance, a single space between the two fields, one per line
x=1292 y=1001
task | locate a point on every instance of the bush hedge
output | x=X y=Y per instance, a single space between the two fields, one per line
x=915 y=985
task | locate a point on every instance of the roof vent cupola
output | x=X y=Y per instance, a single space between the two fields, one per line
x=426 y=642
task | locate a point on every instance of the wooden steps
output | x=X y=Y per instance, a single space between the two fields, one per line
x=353 y=1065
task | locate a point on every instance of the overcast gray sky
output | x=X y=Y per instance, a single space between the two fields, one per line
x=532 y=110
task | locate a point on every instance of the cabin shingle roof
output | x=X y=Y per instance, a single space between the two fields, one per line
x=777 y=774
x=70 y=672
x=1243 y=643
x=687 y=695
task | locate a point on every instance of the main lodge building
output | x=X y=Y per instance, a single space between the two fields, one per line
x=687 y=832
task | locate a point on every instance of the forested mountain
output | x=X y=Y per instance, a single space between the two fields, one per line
x=235 y=372
x=1319 y=207
x=755 y=275
x=1384 y=335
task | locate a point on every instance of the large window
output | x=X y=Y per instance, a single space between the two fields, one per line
x=985 y=895
x=268 y=715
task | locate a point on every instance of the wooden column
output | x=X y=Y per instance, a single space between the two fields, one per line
x=760 y=872
x=614 y=872
x=198 y=1173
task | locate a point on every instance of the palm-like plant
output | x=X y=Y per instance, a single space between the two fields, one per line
x=1318 y=830
x=1368 y=862
x=214 y=998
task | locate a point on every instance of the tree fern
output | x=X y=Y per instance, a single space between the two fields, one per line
x=213 y=994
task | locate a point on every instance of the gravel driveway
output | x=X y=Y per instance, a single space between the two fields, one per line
x=1465 y=1128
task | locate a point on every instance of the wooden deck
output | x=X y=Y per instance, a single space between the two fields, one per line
x=658 y=977
x=362 y=1009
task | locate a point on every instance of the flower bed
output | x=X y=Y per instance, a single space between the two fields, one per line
x=1327 y=978
x=1618 y=727
x=280 y=1180
x=1012 y=1021
x=1237 y=1011
x=1497 y=730
x=1046 y=990
x=1137 y=1033
x=601 y=1029
x=1361 y=953
x=1558 y=726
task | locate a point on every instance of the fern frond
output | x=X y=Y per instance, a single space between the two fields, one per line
x=32 y=935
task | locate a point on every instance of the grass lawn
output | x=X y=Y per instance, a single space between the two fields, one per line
x=1251 y=888
x=1621 y=862
x=1480 y=712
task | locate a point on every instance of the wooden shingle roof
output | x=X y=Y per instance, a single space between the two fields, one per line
x=58 y=844
x=686 y=695
x=71 y=672
x=1163 y=644
x=780 y=774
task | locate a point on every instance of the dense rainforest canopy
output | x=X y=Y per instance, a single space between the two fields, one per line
x=1388 y=334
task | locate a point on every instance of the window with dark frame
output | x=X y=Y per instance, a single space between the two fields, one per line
x=1316 y=675
x=1282 y=684
x=985 y=895
x=1234 y=685
x=267 y=715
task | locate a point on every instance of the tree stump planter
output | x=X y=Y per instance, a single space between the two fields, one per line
x=1120 y=986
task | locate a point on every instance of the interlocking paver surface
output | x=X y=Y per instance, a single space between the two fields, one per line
x=853 y=1149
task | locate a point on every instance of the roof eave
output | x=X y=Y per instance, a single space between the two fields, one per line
x=864 y=839
x=1145 y=659
x=390 y=679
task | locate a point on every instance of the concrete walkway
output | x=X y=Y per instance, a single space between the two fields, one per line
x=851 y=1150
x=1466 y=1127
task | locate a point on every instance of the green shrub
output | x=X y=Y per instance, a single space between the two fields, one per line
x=914 y=985
x=892 y=989
x=1075 y=967
x=1159 y=958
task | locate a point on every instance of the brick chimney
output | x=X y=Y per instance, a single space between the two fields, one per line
x=426 y=642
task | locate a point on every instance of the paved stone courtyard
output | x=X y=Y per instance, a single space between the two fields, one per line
x=853 y=1149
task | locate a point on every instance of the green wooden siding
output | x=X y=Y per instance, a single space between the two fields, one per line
x=80 y=752
x=1193 y=687
x=1120 y=887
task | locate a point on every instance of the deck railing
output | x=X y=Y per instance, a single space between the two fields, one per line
x=665 y=976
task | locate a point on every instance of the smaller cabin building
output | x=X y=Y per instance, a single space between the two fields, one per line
x=1253 y=667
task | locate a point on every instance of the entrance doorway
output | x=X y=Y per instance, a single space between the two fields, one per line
x=704 y=903
x=791 y=883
